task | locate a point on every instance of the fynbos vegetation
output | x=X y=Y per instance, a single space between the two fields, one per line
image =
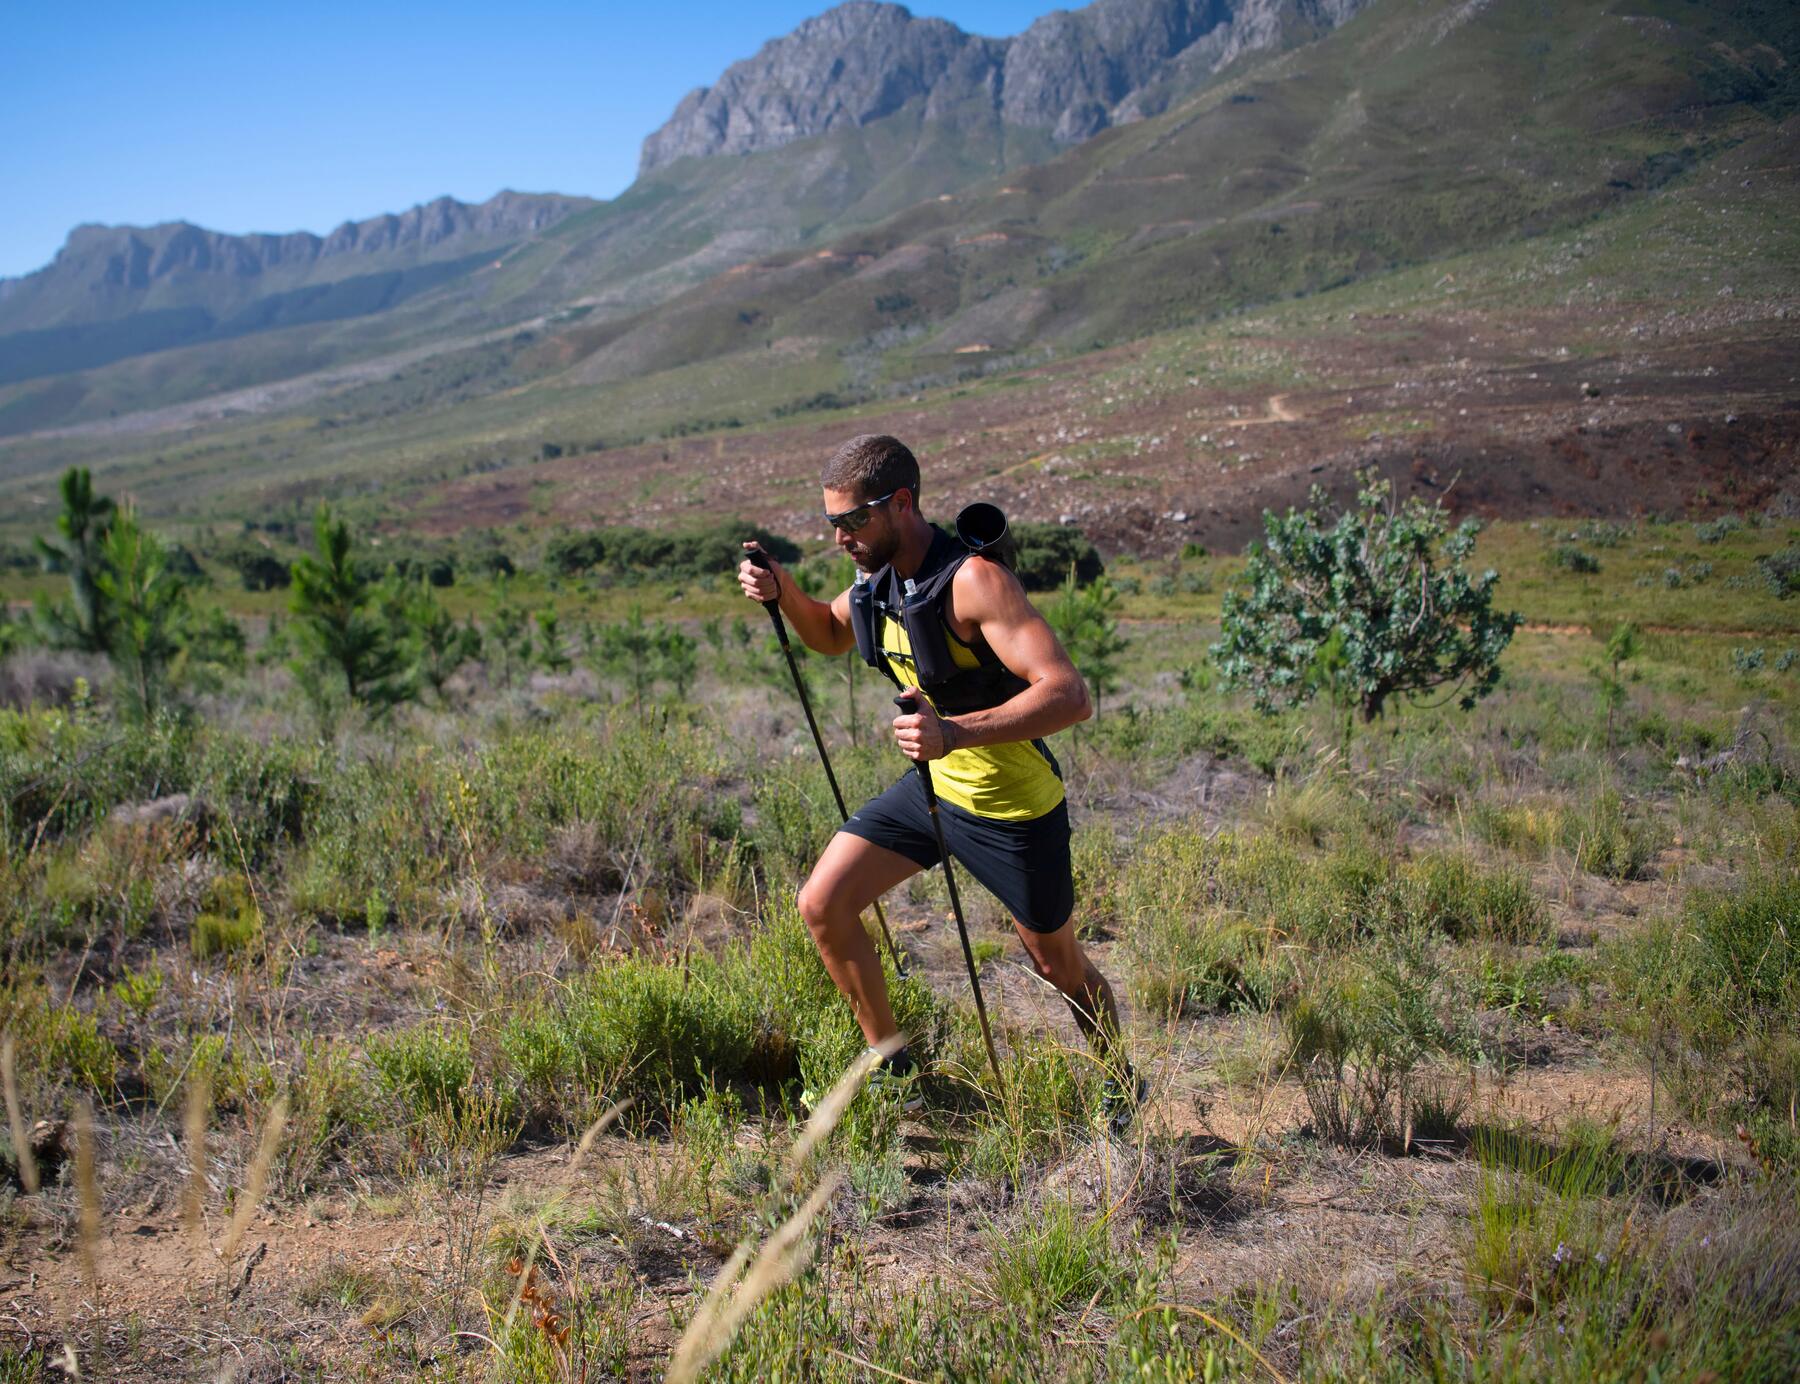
x=461 y=919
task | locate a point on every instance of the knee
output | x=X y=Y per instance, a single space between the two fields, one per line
x=815 y=909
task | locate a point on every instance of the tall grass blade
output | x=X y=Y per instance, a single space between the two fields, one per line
x=15 y=1119
x=251 y=1195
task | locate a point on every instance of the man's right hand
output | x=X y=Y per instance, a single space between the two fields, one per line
x=759 y=584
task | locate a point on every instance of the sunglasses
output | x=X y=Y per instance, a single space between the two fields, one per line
x=853 y=519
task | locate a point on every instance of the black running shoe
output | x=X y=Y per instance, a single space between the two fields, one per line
x=898 y=1078
x=1120 y=1100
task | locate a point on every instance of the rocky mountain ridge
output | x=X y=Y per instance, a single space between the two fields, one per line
x=128 y=260
x=1071 y=73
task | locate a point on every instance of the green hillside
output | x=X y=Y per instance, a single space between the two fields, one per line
x=1419 y=130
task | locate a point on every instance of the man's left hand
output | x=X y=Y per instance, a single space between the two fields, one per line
x=923 y=734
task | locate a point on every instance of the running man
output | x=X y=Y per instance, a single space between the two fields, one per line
x=992 y=682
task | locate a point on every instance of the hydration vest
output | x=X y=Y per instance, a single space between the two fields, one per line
x=951 y=687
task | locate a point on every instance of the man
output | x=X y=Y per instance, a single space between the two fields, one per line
x=991 y=681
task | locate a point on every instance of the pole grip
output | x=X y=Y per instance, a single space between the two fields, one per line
x=909 y=706
x=760 y=560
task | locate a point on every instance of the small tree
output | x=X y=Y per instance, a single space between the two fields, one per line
x=1083 y=619
x=75 y=551
x=346 y=623
x=547 y=649
x=1389 y=581
x=212 y=648
x=440 y=645
x=1621 y=647
x=145 y=606
x=628 y=648
x=506 y=636
x=677 y=658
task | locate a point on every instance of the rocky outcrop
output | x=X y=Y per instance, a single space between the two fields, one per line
x=849 y=66
x=1072 y=73
x=134 y=257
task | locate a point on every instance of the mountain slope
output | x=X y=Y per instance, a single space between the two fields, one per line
x=117 y=291
x=860 y=113
x=1418 y=130
x=832 y=268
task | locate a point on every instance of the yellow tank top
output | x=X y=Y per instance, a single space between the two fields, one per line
x=1012 y=782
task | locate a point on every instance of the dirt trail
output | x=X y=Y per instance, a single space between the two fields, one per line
x=1586 y=631
x=1280 y=411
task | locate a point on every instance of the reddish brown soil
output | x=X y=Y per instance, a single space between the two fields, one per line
x=1682 y=414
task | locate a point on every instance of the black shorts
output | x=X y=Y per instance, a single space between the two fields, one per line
x=1023 y=864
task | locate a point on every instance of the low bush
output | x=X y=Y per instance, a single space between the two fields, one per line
x=1044 y=554
x=1057 y=1257
x=1781 y=571
x=1452 y=894
x=1528 y=829
x=1718 y=530
x=1606 y=838
x=58 y=1045
x=258 y=569
x=1049 y=1093
x=1712 y=996
x=427 y=1071
x=664 y=554
x=229 y=919
x=765 y=1013
x=1183 y=965
x=1569 y=558
x=1357 y=1034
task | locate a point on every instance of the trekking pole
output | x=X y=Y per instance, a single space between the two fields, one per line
x=908 y=707
x=760 y=560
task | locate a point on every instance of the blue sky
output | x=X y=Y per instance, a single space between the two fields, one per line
x=247 y=117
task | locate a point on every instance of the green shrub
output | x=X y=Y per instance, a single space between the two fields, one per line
x=258 y=568
x=1529 y=829
x=1055 y=1258
x=1525 y=985
x=1183 y=965
x=1717 y=530
x=695 y=553
x=1606 y=839
x=1096 y=857
x=664 y=1029
x=1569 y=558
x=1045 y=553
x=61 y=771
x=1374 y=604
x=1357 y=1034
x=229 y=919
x=428 y=1071
x=263 y=792
x=328 y=1106
x=1781 y=572
x=766 y=1012
x=1049 y=1091
x=1712 y=996
x=1748 y=947
x=1333 y=901
x=58 y=1043
x=1454 y=895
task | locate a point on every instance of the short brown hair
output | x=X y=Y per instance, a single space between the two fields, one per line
x=872 y=465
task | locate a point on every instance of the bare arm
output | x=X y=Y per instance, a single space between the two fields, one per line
x=989 y=599
x=823 y=626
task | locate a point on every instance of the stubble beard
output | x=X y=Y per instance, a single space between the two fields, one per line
x=872 y=555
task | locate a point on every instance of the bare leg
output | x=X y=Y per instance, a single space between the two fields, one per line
x=1060 y=959
x=851 y=875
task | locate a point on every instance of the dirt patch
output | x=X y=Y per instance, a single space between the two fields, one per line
x=1693 y=414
